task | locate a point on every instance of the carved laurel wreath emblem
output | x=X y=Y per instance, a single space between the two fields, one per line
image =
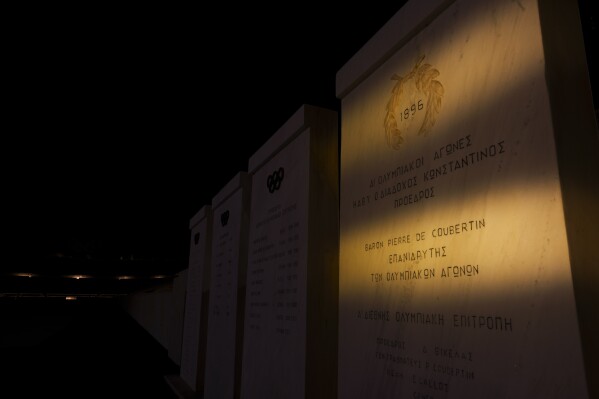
x=424 y=76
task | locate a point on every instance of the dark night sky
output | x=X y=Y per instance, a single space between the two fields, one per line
x=129 y=120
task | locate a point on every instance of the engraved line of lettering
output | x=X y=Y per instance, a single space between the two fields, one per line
x=399 y=171
x=411 y=256
x=369 y=246
x=460 y=271
x=420 y=318
x=403 y=360
x=458 y=228
x=360 y=202
x=430 y=383
x=468 y=160
x=382 y=315
x=414 y=198
x=482 y=322
x=449 y=149
x=391 y=342
x=420 y=274
x=453 y=371
x=396 y=188
x=451 y=353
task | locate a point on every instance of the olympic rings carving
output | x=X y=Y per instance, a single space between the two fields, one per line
x=273 y=182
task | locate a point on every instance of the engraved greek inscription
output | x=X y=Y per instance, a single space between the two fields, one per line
x=420 y=318
x=381 y=315
x=420 y=395
x=415 y=198
x=361 y=202
x=393 y=373
x=399 y=171
x=397 y=188
x=420 y=274
x=430 y=383
x=451 y=353
x=483 y=322
x=406 y=361
x=460 y=271
x=459 y=144
x=467 y=160
x=453 y=371
x=418 y=255
x=391 y=343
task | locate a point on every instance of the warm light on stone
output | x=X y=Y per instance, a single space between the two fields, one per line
x=455 y=276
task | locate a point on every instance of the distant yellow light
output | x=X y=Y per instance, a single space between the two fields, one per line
x=29 y=275
x=70 y=298
x=78 y=276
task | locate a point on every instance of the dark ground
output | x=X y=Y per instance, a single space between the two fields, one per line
x=88 y=348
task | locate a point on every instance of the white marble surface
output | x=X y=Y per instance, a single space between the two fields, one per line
x=455 y=278
x=228 y=265
x=274 y=357
x=197 y=281
x=290 y=331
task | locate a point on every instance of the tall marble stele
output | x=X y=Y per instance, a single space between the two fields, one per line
x=193 y=352
x=469 y=205
x=230 y=209
x=290 y=330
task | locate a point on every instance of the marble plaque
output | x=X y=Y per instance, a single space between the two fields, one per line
x=227 y=282
x=455 y=275
x=291 y=291
x=193 y=353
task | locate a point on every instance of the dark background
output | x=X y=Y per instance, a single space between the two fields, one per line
x=125 y=121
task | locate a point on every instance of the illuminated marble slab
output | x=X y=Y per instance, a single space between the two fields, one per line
x=458 y=239
x=290 y=334
x=193 y=352
x=228 y=264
